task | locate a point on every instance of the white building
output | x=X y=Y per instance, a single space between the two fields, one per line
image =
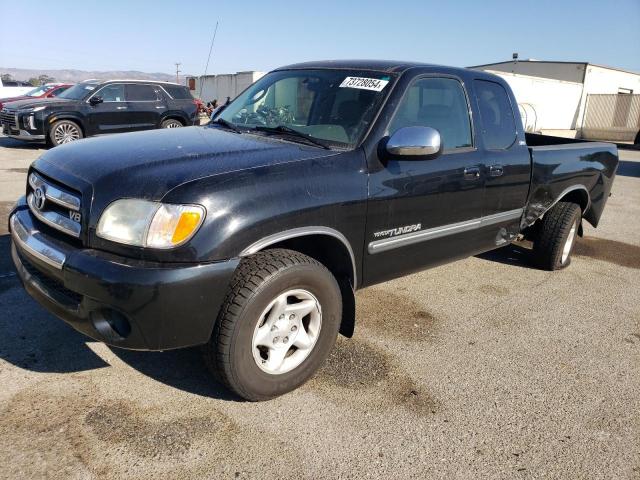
x=212 y=87
x=554 y=97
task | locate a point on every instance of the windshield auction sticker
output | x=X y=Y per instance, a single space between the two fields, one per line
x=364 y=83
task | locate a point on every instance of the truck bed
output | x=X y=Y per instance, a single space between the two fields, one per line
x=565 y=166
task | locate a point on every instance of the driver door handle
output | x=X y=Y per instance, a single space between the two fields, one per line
x=472 y=173
x=121 y=108
x=496 y=170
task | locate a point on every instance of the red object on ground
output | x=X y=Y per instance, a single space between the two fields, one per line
x=44 y=91
x=200 y=104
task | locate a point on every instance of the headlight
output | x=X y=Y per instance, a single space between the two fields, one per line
x=34 y=109
x=149 y=224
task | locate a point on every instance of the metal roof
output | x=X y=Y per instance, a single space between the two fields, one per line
x=560 y=62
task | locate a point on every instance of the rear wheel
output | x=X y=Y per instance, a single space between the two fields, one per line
x=64 y=131
x=171 y=123
x=556 y=236
x=277 y=325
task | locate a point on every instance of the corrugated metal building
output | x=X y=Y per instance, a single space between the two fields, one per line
x=211 y=87
x=561 y=97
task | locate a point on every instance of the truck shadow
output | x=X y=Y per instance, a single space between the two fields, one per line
x=183 y=369
x=31 y=338
x=628 y=169
x=34 y=340
x=7 y=142
x=514 y=255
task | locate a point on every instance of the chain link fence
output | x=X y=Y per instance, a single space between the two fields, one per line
x=614 y=117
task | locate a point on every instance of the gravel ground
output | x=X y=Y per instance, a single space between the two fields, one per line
x=484 y=368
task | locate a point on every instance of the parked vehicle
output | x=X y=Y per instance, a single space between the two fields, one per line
x=250 y=236
x=48 y=90
x=98 y=107
x=12 y=88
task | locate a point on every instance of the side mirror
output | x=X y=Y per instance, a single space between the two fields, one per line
x=95 y=100
x=415 y=142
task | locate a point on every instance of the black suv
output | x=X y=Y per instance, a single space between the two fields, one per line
x=96 y=107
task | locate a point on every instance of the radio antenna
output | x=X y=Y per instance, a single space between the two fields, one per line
x=213 y=39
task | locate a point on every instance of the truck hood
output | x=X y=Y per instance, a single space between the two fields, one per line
x=36 y=102
x=150 y=164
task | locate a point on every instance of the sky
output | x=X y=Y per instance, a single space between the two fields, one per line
x=151 y=36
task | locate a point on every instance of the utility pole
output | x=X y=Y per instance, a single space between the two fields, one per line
x=177 y=64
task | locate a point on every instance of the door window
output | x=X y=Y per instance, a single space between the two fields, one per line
x=439 y=103
x=496 y=115
x=112 y=93
x=178 y=93
x=141 y=93
x=58 y=91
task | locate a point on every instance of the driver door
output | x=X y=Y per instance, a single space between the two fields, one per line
x=111 y=115
x=423 y=212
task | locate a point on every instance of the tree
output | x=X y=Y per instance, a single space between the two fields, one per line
x=45 y=79
x=6 y=77
x=34 y=81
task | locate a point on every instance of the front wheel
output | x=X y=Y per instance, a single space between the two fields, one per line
x=554 y=241
x=64 y=131
x=171 y=123
x=277 y=325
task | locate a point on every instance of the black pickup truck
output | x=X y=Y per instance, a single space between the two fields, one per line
x=250 y=236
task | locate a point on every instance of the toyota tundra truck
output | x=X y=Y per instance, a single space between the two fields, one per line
x=250 y=236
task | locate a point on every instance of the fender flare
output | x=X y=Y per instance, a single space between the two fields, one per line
x=303 y=232
x=53 y=118
x=533 y=213
x=570 y=189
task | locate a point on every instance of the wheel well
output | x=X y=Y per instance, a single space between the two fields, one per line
x=174 y=117
x=70 y=119
x=334 y=255
x=579 y=196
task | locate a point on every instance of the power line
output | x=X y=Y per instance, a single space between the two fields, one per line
x=206 y=67
x=177 y=64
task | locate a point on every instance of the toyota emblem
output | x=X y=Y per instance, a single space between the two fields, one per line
x=39 y=198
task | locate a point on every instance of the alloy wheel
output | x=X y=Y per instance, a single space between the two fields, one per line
x=287 y=331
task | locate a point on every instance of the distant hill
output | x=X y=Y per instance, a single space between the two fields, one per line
x=73 y=76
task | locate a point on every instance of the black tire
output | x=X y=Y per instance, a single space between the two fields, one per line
x=559 y=226
x=171 y=123
x=64 y=131
x=259 y=280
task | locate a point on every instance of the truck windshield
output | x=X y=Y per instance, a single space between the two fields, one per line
x=78 y=91
x=335 y=106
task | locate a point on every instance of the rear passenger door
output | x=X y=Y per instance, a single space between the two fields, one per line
x=508 y=165
x=146 y=105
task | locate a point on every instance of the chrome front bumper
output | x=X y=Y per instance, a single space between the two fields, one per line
x=32 y=241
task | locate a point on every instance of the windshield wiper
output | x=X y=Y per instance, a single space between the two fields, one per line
x=294 y=133
x=227 y=124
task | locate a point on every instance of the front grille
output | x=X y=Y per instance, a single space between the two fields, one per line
x=51 y=285
x=8 y=117
x=54 y=205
